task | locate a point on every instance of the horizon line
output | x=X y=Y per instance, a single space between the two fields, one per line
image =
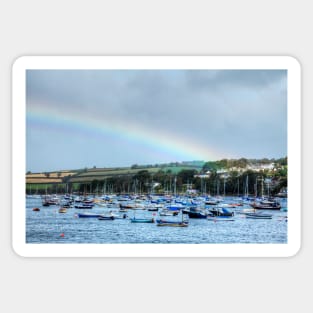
x=149 y=164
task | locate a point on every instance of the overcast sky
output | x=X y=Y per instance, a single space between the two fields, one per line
x=104 y=118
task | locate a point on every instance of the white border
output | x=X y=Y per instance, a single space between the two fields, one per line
x=155 y=62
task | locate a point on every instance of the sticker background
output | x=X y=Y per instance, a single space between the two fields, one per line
x=159 y=28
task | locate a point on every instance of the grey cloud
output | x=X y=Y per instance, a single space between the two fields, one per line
x=243 y=111
x=217 y=80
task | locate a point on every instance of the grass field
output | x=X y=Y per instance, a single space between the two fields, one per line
x=88 y=175
x=51 y=174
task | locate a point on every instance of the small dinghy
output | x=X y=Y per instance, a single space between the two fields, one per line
x=142 y=220
x=172 y=223
x=258 y=215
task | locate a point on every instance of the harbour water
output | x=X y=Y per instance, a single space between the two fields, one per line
x=50 y=226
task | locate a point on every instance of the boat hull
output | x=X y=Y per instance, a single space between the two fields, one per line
x=83 y=207
x=196 y=215
x=257 y=216
x=173 y=224
x=88 y=215
x=106 y=218
x=221 y=212
x=260 y=206
x=139 y=220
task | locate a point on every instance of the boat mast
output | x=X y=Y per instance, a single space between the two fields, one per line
x=175 y=179
x=238 y=186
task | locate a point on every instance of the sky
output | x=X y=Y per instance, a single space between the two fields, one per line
x=111 y=118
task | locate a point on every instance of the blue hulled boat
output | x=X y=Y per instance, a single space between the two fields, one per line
x=221 y=212
x=195 y=212
x=88 y=215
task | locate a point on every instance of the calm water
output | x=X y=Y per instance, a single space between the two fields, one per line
x=47 y=225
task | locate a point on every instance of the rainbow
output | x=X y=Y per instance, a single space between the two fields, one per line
x=166 y=145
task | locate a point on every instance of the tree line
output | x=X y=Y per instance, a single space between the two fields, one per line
x=186 y=181
x=235 y=182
